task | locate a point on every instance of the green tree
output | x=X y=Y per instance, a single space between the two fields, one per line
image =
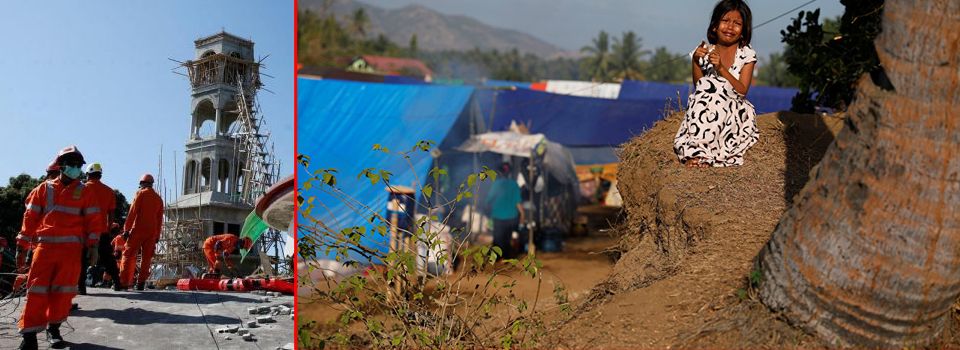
x=120 y=214
x=359 y=23
x=12 y=203
x=626 y=56
x=774 y=71
x=830 y=64
x=597 y=67
x=667 y=67
x=414 y=50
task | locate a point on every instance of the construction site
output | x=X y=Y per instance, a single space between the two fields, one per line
x=229 y=183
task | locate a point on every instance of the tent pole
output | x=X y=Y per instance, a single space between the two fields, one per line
x=531 y=248
x=493 y=110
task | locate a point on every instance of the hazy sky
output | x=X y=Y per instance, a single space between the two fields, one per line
x=570 y=24
x=96 y=74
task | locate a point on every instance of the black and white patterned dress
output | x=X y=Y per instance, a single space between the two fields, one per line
x=720 y=124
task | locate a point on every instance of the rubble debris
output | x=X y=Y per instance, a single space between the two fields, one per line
x=248 y=337
x=258 y=310
x=287 y=346
x=282 y=310
x=265 y=319
x=227 y=337
x=228 y=329
x=251 y=324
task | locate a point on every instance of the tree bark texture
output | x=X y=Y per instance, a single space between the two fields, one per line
x=869 y=253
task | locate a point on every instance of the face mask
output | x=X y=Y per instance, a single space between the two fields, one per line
x=72 y=172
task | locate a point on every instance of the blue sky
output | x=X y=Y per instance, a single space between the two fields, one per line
x=96 y=74
x=570 y=24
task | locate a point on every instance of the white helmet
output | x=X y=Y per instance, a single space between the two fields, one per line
x=94 y=168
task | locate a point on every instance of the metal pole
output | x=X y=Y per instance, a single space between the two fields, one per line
x=531 y=248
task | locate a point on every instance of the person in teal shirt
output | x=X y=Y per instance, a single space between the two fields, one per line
x=504 y=200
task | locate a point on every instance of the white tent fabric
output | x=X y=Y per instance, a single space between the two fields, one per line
x=503 y=142
x=584 y=89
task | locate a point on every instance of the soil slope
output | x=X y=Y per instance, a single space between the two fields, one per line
x=689 y=239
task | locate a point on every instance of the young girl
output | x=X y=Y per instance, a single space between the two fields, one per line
x=720 y=125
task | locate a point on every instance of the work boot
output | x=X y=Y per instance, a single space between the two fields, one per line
x=54 y=337
x=140 y=285
x=29 y=341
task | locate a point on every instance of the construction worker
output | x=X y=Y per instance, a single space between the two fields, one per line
x=223 y=245
x=142 y=231
x=108 y=206
x=61 y=217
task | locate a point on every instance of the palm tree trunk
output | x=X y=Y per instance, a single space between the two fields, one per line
x=869 y=253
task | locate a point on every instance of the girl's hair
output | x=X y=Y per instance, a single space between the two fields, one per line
x=721 y=9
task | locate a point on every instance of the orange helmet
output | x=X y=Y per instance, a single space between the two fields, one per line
x=68 y=151
x=53 y=167
x=146 y=178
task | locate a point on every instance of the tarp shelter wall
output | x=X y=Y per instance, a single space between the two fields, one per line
x=340 y=121
x=498 y=83
x=570 y=120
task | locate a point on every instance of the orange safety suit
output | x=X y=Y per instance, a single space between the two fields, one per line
x=119 y=244
x=107 y=201
x=143 y=222
x=59 y=221
x=218 y=245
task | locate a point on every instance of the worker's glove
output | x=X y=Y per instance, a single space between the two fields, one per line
x=92 y=256
x=126 y=235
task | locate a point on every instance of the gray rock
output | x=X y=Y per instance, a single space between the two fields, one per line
x=265 y=319
x=228 y=329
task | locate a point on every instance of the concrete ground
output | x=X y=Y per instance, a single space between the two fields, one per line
x=159 y=319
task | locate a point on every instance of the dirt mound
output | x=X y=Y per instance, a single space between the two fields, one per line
x=690 y=236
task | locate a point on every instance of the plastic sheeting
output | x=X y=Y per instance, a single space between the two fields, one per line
x=583 y=88
x=495 y=82
x=765 y=99
x=340 y=121
x=570 y=120
x=645 y=90
x=397 y=79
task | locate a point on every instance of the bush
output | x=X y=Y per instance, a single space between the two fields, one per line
x=397 y=304
x=829 y=64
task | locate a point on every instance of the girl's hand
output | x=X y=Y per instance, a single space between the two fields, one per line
x=701 y=51
x=714 y=58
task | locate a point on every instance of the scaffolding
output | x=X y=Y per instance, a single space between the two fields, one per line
x=260 y=168
x=179 y=250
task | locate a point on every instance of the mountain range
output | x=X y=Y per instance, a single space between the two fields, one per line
x=436 y=31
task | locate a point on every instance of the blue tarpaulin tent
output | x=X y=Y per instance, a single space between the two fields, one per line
x=340 y=121
x=495 y=82
x=570 y=120
x=646 y=90
x=765 y=99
